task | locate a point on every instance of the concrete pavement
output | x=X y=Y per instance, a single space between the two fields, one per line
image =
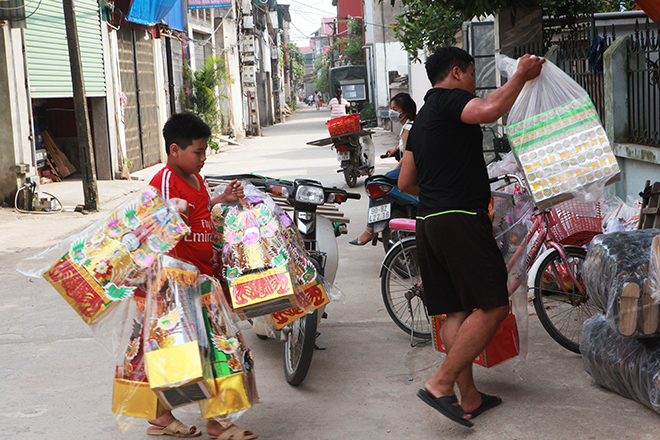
x=56 y=379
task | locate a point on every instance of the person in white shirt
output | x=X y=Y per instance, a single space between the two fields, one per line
x=338 y=105
x=402 y=109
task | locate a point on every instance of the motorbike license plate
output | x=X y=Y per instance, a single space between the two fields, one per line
x=379 y=213
x=343 y=155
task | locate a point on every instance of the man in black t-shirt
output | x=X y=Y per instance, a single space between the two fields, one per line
x=462 y=268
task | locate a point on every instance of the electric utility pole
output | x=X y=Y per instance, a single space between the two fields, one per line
x=90 y=189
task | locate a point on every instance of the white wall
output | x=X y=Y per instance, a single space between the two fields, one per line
x=387 y=57
x=418 y=81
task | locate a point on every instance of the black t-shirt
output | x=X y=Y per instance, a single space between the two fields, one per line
x=448 y=154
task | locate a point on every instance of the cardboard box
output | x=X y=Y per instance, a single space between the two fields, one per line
x=503 y=346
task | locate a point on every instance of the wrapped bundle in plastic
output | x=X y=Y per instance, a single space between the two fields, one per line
x=175 y=343
x=616 y=276
x=260 y=275
x=132 y=397
x=630 y=367
x=93 y=268
x=231 y=361
x=558 y=139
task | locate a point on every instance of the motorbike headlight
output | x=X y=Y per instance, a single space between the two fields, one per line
x=310 y=194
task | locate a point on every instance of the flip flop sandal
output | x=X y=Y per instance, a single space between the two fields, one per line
x=487 y=402
x=175 y=429
x=445 y=405
x=233 y=432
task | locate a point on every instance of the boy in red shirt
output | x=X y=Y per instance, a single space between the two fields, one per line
x=186 y=138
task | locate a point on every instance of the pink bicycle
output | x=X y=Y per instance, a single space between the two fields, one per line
x=555 y=276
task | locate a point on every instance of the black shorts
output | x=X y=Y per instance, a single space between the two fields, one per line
x=461 y=266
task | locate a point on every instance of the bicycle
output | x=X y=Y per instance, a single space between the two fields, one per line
x=560 y=299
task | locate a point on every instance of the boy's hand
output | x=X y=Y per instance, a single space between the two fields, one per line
x=181 y=207
x=232 y=193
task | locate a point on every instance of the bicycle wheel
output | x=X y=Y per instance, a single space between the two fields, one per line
x=562 y=311
x=299 y=347
x=402 y=289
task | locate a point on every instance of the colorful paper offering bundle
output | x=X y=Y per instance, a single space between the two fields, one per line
x=563 y=149
x=131 y=394
x=175 y=343
x=92 y=274
x=257 y=265
x=231 y=361
x=557 y=137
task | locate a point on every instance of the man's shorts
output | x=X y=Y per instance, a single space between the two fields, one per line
x=461 y=266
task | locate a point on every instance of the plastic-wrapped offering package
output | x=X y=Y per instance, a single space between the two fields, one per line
x=93 y=272
x=132 y=397
x=231 y=361
x=558 y=139
x=616 y=276
x=630 y=367
x=175 y=343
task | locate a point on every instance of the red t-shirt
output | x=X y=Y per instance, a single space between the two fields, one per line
x=196 y=247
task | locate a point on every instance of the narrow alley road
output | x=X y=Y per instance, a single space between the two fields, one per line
x=56 y=380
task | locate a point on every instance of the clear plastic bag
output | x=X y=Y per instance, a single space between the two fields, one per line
x=232 y=363
x=626 y=366
x=176 y=346
x=558 y=139
x=96 y=268
x=511 y=218
x=616 y=274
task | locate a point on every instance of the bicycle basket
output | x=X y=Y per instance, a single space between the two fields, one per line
x=574 y=222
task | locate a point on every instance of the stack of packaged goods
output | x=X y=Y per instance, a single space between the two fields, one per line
x=620 y=346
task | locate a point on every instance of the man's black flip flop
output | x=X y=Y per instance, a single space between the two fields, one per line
x=487 y=402
x=445 y=405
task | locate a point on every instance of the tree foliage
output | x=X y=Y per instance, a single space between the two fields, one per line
x=428 y=24
x=296 y=61
x=321 y=70
x=203 y=99
x=351 y=47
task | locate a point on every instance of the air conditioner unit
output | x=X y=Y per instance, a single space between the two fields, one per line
x=248 y=75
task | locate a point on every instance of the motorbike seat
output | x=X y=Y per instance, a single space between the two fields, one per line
x=381 y=177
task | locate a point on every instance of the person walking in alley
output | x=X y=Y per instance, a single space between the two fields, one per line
x=462 y=268
x=338 y=105
x=186 y=138
x=317 y=99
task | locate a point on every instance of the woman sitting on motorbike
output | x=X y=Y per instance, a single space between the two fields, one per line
x=402 y=109
x=338 y=105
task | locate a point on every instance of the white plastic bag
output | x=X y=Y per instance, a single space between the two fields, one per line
x=558 y=139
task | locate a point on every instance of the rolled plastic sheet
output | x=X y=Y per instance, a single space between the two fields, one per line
x=232 y=363
x=629 y=367
x=616 y=276
x=558 y=139
x=176 y=345
x=93 y=270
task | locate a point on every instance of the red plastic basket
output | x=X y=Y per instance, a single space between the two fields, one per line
x=343 y=125
x=574 y=223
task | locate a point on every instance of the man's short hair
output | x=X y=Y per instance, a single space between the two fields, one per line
x=182 y=129
x=444 y=60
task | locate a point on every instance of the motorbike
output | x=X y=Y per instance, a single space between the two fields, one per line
x=355 y=153
x=319 y=223
x=388 y=202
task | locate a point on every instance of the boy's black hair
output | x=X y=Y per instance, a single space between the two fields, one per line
x=182 y=129
x=406 y=103
x=444 y=60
